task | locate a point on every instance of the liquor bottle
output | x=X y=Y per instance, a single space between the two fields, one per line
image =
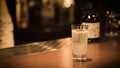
x=91 y=19
x=6 y=27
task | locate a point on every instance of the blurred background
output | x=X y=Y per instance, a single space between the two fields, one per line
x=41 y=20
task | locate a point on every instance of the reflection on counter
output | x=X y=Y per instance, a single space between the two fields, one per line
x=35 y=47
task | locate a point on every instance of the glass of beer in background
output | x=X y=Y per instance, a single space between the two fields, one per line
x=79 y=42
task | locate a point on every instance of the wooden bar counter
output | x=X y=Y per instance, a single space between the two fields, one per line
x=58 y=54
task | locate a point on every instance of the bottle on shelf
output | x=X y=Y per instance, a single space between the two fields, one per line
x=91 y=19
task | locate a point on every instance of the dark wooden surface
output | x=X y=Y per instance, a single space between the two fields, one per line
x=104 y=54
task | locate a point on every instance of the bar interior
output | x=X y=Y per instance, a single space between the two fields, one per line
x=37 y=33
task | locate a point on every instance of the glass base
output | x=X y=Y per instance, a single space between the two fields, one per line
x=80 y=59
